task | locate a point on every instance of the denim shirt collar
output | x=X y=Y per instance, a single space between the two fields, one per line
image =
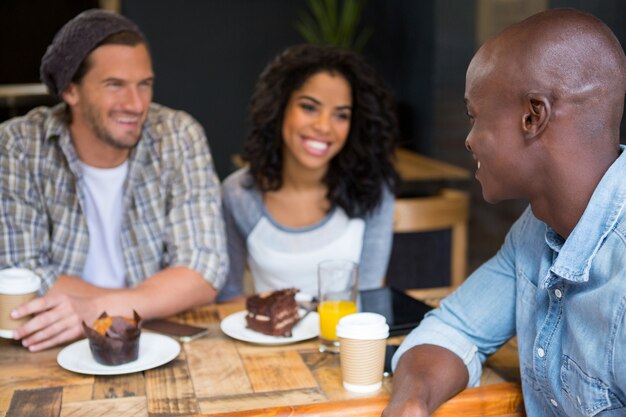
x=576 y=253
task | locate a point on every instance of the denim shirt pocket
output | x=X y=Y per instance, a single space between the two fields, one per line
x=589 y=396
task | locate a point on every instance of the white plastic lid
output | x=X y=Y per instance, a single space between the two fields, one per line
x=363 y=326
x=18 y=281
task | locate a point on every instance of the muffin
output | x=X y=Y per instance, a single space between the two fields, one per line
x=114 y=340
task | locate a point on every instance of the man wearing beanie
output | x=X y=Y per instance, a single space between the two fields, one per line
x=111 y=199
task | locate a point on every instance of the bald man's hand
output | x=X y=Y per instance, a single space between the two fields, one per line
x=426 y=376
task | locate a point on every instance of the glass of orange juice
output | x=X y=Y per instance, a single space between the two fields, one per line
x=337 y=280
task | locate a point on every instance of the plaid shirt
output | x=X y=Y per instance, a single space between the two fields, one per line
x=172 y=200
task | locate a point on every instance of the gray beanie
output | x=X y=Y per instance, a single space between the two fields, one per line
x=74 y=41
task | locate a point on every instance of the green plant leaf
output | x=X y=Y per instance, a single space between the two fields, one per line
x=319 y=13
x=331 y=15
x=362 y=38
x=333 y=22
x=347 y=25
x=308 y=28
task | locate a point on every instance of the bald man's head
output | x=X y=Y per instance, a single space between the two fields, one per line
x=570 y=56
x=545 y=99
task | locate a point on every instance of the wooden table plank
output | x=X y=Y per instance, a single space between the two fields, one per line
x=131 y=385
x=412 y=166
x=201 y=316
x=252 y=349
x=244 y=402
x=216 y=368
x=170 y=391
x=118 y=407
x=23 y=370
x=226 y=309
x=44 y=402
x=492 y=400
x=277 y=371
x=369 y=407
x=502 y=400
x=77 y=393
x=26 y=375
x=326 y=369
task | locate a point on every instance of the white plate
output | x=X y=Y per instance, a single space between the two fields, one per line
x=154 y=350
x=235 y=327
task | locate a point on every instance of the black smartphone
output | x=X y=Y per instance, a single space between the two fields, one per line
x=403 y=312
x=179 y=331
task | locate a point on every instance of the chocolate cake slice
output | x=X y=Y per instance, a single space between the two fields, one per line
x=273 y=313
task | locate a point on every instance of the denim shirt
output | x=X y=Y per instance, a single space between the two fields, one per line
x=565 y=300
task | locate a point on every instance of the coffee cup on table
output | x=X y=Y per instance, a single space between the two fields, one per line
x=362 y=342
x=17 y=286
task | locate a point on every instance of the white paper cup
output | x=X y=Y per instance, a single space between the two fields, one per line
x=17 y=286
x=362 y=341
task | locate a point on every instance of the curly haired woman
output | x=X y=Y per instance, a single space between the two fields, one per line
x=320 y=176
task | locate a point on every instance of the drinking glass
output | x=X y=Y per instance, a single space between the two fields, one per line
x=337 y=280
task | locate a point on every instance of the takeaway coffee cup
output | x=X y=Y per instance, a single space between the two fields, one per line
x=17 y=286
x=362 y=340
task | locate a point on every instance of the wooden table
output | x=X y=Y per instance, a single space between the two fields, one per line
x=215 y=376
x=416 y=167
x=422 y=175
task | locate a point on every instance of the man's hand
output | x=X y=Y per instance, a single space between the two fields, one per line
x=58 y=314
x=57 y=319
x=425 y=377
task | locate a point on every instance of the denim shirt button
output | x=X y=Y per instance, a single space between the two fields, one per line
x=558 y=293
x=541 y=352
x=553 y=402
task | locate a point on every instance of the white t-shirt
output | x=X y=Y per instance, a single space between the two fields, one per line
x=281 y=257
x=103 y=189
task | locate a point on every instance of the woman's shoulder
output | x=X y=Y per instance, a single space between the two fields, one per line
x=241 y=196
x=239 y=184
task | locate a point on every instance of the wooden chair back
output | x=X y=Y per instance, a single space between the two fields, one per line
x=447 y=210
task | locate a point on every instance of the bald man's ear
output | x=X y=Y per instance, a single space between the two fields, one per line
x=537 y=114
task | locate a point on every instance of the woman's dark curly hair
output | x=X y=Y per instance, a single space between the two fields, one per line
x=357 y=174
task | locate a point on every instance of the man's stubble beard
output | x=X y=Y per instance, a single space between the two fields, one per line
x=101 y=132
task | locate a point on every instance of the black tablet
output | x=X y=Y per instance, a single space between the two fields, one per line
x=403 y=313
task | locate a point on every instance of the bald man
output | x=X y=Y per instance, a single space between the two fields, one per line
x=545 y=99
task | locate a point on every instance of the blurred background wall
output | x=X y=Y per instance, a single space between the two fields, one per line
x=208 y=53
